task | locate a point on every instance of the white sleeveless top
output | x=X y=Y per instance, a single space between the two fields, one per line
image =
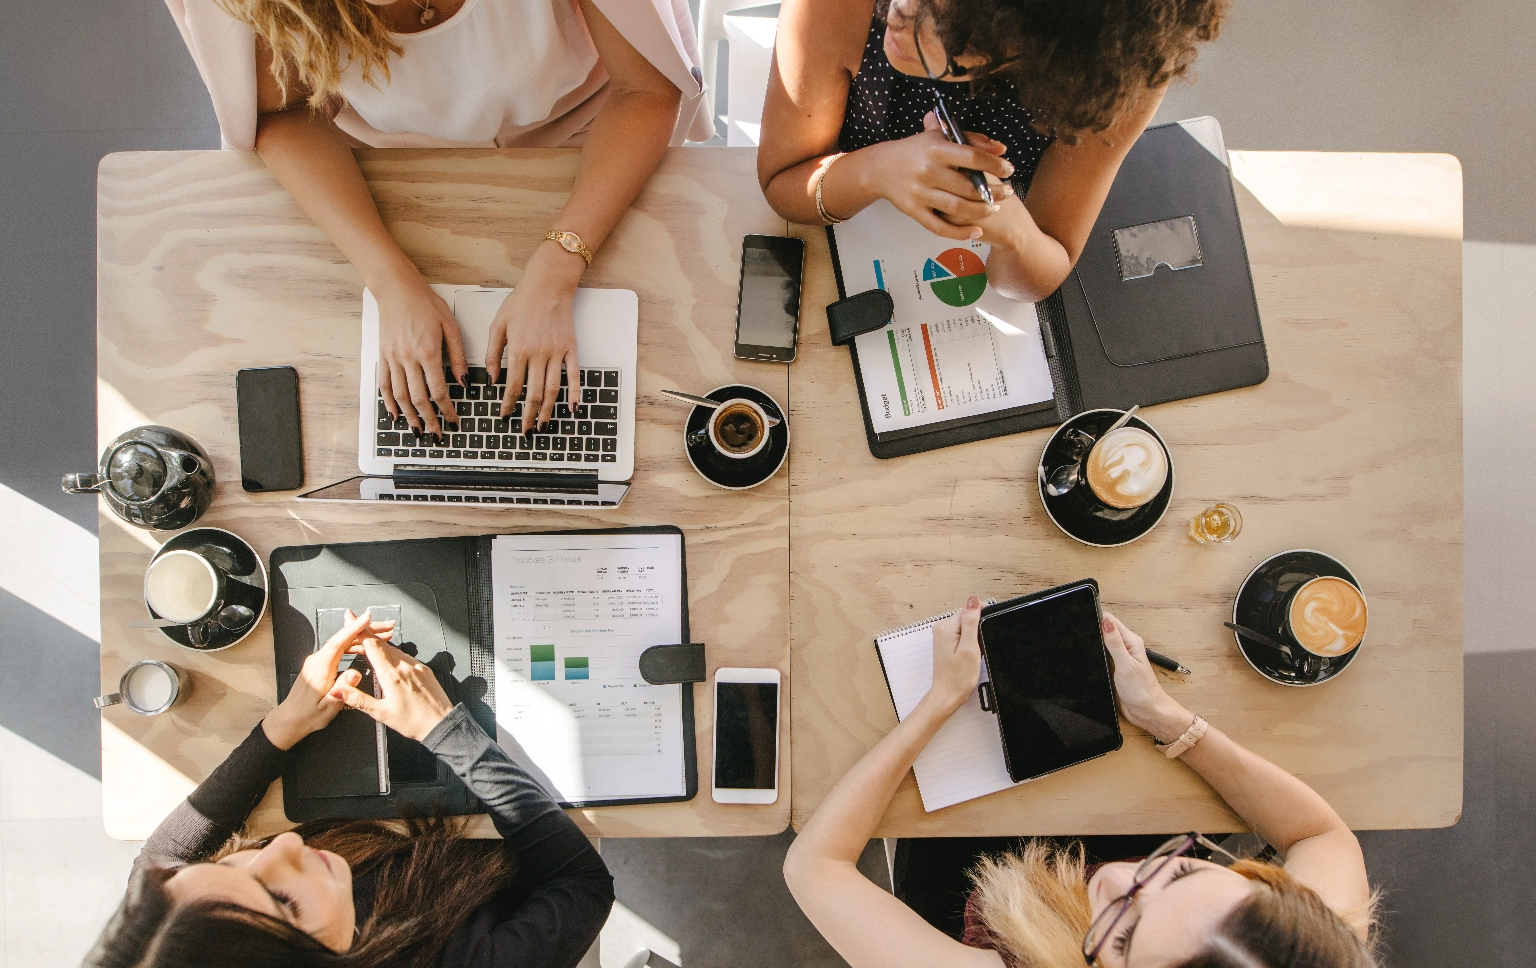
x=498 y=73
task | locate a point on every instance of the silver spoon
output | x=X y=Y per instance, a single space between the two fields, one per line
x=232 y=617
x=1066 y=477
x=707 y=403
x=1125 y=418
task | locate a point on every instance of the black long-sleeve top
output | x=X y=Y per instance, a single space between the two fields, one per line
x=564 y=890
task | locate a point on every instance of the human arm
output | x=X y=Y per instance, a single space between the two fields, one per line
x=313 y=161
x=1319 y=848
x=571 y=887
x=816 y=54
x=213 y=812
x=866 y=925
x=624 y=145
x=1037 y=240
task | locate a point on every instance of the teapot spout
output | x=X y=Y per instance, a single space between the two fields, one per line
x=81 y=483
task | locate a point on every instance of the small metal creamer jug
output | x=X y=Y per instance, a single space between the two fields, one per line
x=152 y=477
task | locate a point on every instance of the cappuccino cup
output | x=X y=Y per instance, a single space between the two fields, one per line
x=149 y=687
x=738 y=428
x=1127 y=468
x=1327 y=616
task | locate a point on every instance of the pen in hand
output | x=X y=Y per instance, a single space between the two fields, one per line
x=1164 y=662
x=952 y=132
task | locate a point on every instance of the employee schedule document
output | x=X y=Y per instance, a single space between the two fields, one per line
x=572 y=615
x=955 y=348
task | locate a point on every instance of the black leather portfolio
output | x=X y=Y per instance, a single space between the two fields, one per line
x=444 y=591
x=1160 y=305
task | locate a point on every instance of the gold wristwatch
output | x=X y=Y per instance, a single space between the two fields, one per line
x=571 y=242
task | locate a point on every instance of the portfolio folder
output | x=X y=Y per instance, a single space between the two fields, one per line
x=445 y=591
x=1159 y=307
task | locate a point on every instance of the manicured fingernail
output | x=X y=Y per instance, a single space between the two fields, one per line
x=463 y=380
x=972 y=602
x=1107 y=625
x=976 y=232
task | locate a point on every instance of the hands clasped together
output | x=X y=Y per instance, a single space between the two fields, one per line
x=412 y=700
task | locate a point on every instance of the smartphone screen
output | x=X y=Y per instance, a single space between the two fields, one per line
x=746 y=735
x=271 y=451
x=1051 y=679
x=768 y=305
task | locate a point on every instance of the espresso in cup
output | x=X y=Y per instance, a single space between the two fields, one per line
x=1327 y=616
x=182 y=586
x=1127 y=468
x=738 y=428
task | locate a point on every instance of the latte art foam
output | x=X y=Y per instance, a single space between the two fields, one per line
x=1127 y=468
x=1328 y=616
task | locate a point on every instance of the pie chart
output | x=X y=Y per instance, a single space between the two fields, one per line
x=957 y=276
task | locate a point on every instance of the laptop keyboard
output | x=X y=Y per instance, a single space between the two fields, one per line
x=583 y=430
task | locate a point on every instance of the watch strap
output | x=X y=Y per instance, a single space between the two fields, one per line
x=861 y=313
x=570 y=242
x=1190 y=737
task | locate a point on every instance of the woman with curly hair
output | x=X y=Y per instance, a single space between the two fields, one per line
x=1052 y=94
x=1039 y=905
x=303 y=82
x=362 y=893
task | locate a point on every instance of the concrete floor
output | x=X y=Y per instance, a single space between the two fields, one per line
x=94 y=76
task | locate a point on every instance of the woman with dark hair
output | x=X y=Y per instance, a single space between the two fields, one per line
x=362 y=893
x=1039 y=905
x=1052 y=94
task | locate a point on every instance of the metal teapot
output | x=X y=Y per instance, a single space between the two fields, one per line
x=151 y=477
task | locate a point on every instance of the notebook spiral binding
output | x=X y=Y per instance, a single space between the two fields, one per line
x=924 y=623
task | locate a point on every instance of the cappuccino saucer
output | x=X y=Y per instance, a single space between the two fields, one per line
x=246 y=585
x=732 y=473
x=1260 y=605
x=1080 y=515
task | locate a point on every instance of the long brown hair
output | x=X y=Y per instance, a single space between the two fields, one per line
x=428 y=882
x=1034 y=907
x=315 y=40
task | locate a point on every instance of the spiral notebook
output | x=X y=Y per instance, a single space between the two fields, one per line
x=964 y=760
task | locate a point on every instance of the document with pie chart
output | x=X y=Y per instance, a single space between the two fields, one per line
x=955 y=349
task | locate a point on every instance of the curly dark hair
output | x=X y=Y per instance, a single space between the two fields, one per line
x=1077 y=64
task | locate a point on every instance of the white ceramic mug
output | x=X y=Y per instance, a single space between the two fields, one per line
x=149 y=687
x=712 y=428
x=183 y=586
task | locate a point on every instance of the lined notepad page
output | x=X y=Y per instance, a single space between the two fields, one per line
x=964 y=760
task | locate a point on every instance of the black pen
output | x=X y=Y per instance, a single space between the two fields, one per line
x=1163 y=662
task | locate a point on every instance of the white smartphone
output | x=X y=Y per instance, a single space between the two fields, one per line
x=746 y=736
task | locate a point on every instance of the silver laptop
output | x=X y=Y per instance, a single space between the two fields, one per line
x=584 y=456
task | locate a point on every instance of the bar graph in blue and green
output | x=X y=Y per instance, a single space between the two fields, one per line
x=541 y=663
x=576 y=667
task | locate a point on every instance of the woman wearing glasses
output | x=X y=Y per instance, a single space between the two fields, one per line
x=1052 y=94
x=1043 y=907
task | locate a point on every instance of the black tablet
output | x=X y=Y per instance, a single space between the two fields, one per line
x=1050 y=682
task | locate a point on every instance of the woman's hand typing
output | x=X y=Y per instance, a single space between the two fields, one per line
x=414 y=324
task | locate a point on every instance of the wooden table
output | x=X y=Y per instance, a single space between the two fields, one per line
x=206 y=266
x=1352 y=446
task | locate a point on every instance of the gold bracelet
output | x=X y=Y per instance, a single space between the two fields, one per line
x=821 y=176
x=571 y=242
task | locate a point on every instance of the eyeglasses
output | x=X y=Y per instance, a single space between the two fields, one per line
x=1104 y=925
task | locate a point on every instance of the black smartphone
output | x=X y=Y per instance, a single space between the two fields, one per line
x=271 y=450
x=1050 y=681
x=768 y=302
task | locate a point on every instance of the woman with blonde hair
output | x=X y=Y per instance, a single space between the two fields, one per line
x=1044 y=907
x=303 y=82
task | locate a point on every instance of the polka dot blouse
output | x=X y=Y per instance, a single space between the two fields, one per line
x=887 y=105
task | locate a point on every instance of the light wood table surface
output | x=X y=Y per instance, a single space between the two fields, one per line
x=205 y=265
x=1352 y=447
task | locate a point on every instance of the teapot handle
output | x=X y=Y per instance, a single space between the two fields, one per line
x=81 y=483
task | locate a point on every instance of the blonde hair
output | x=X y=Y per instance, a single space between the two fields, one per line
x=313 y=41
x=1035 y=911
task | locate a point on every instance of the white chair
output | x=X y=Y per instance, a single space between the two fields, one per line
x=712 y=31
x=645 y=958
